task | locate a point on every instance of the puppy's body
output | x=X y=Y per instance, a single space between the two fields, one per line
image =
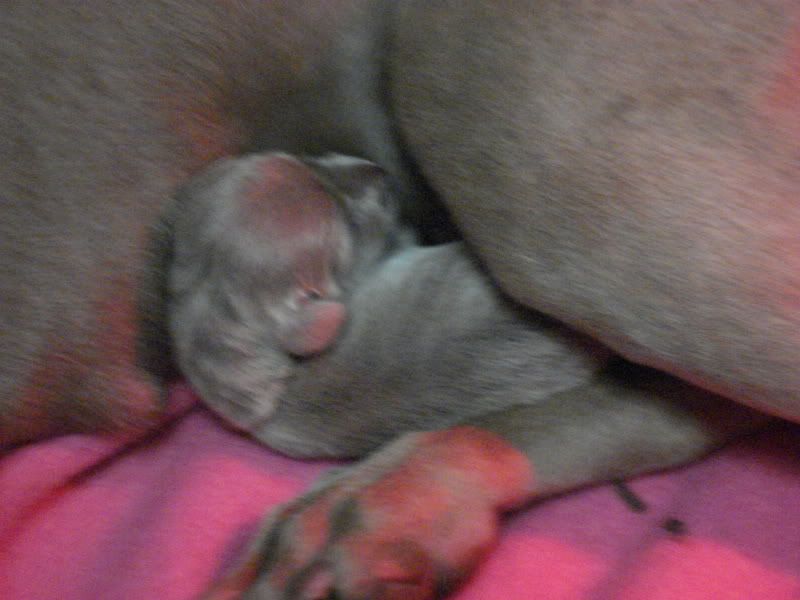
x=429 y=344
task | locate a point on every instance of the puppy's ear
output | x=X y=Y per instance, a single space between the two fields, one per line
x=348 y=176
x=363 y=189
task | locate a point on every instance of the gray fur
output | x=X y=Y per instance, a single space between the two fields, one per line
x=425 y=323
x=627 y=168
x=427 y=330
x=237 y=281
x=638 y=190
x=106 y=108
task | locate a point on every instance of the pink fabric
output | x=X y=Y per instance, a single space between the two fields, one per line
x=162 y=521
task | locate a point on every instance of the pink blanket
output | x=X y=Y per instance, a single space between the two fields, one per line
x=162 y=521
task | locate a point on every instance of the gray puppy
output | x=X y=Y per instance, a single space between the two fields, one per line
x=268 y=251
x=263 y=250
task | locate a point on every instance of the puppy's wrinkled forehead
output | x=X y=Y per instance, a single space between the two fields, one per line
x=283 y=198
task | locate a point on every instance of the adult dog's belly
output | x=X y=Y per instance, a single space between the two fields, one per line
x=631 y=170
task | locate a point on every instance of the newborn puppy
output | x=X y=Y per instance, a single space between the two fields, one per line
x=268 y=249
x=262 y=255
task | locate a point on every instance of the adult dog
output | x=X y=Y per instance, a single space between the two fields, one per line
x=630 y=169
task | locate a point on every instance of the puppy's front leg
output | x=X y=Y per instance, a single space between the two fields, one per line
x=415 y=518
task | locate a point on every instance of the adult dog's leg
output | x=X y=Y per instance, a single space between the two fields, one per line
x=355 y=534
x=630 y=168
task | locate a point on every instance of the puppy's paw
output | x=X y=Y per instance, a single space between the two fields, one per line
x=410 y=522
x=235 y=371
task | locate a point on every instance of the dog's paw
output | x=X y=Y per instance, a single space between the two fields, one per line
x=410 y=522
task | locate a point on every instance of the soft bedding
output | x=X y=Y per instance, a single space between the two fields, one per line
x=161 y=521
